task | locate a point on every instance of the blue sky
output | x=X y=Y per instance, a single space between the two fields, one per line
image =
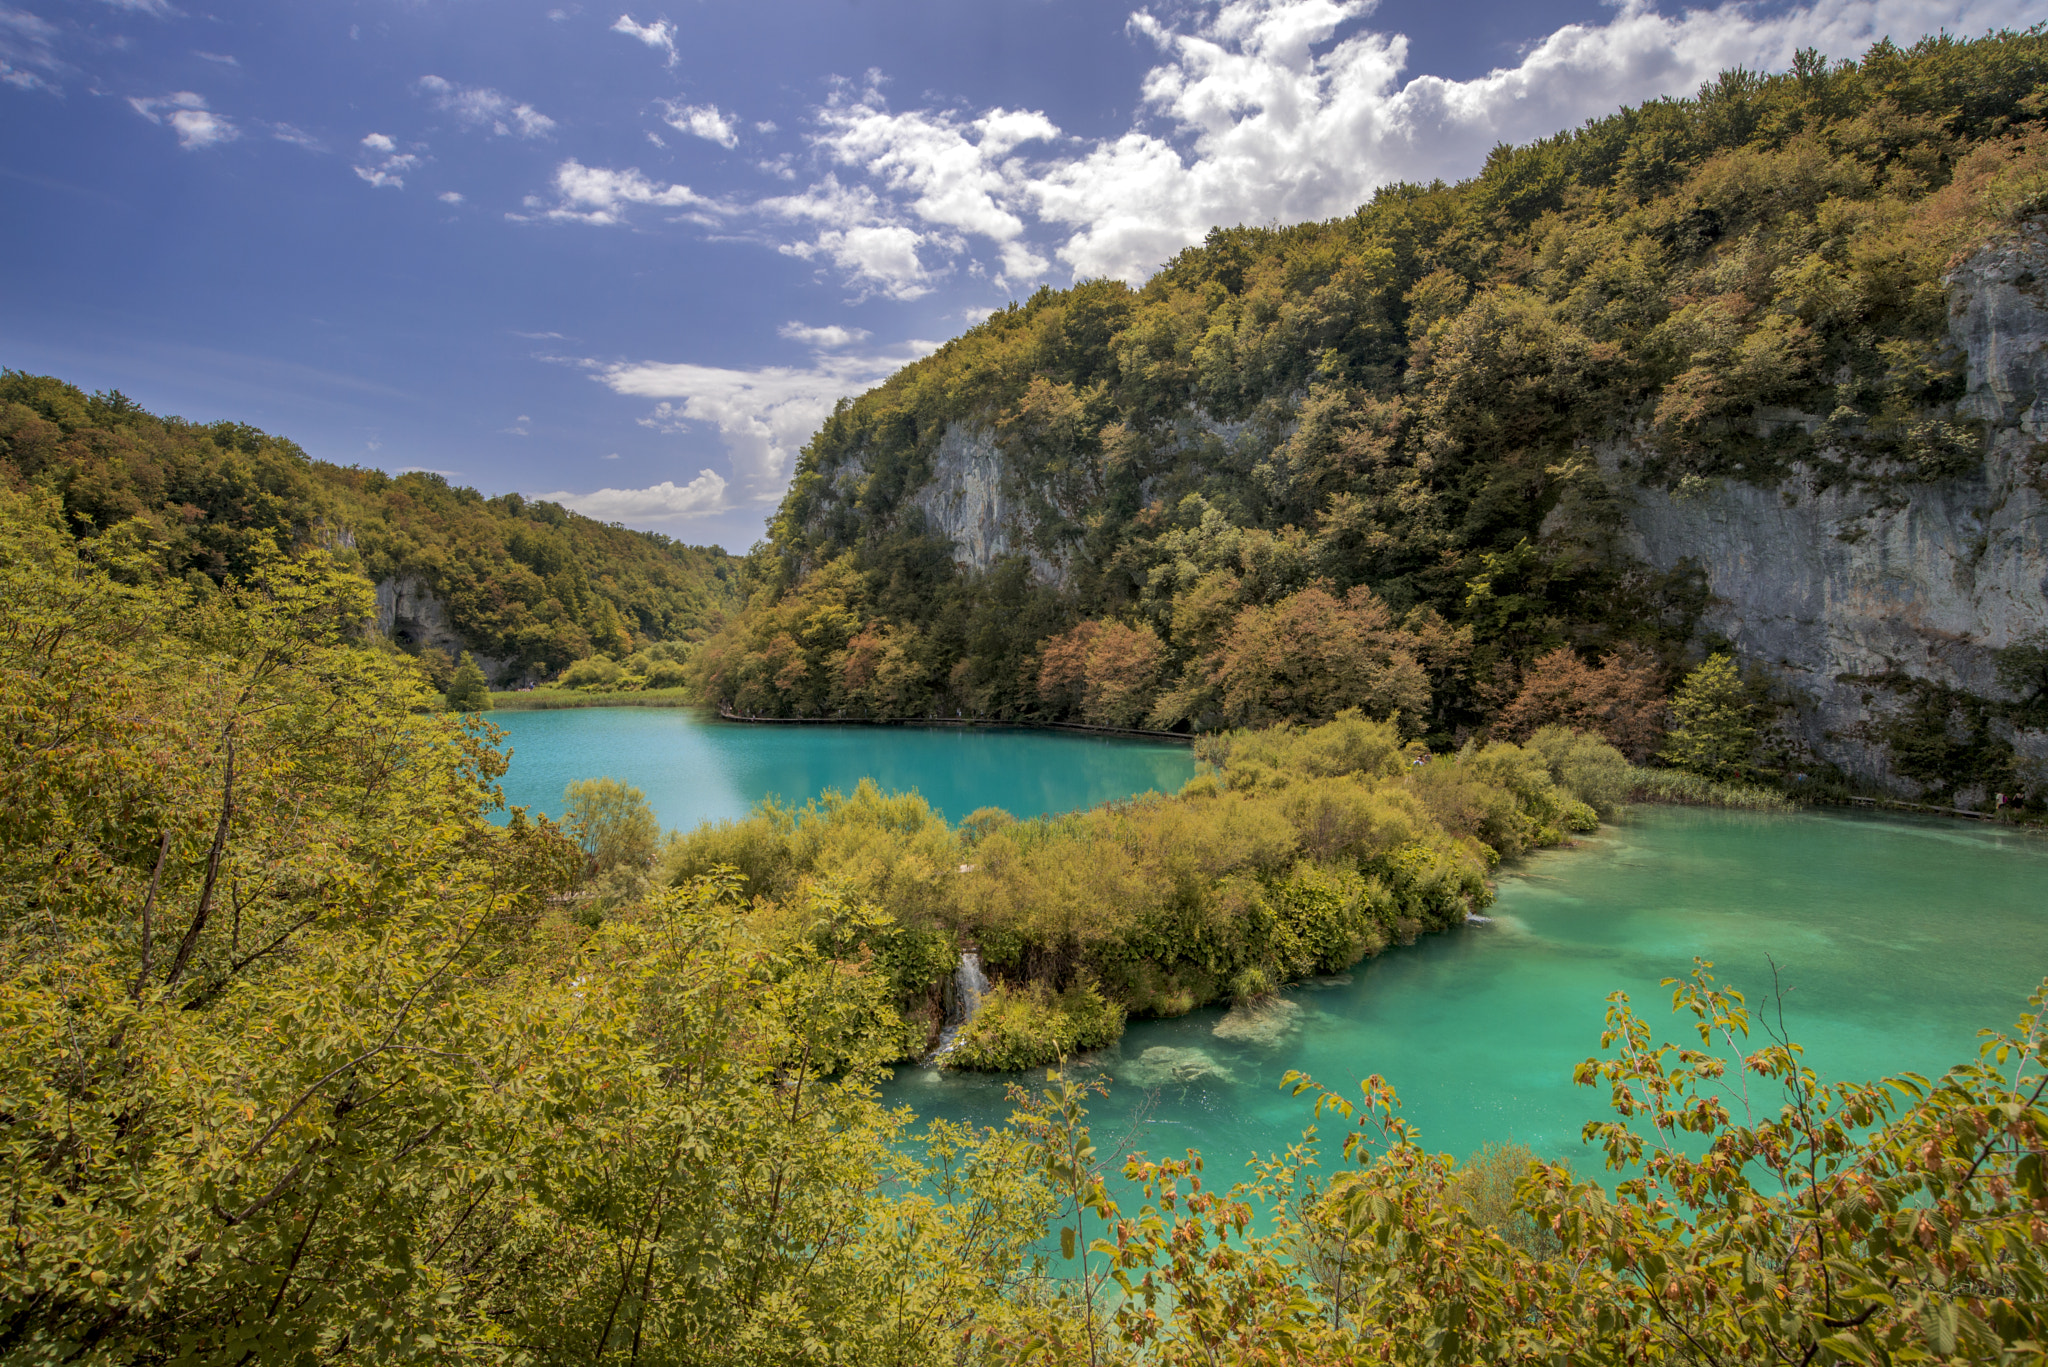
x=628 y=255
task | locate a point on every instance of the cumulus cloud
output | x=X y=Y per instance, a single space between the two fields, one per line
x=480 y=106
x=1256 y=111
x=705 y=121
x=597 y=194
x=826 y=337
x=187 y=114
x=764 y=415
x=385 y=166
x=450 y=196
x=28 y=54
x=859 y=232
x=660 y=35
x=1268 y=114
x=663 y=502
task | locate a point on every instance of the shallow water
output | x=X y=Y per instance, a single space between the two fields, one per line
x=1894 y=941
x=695 y=768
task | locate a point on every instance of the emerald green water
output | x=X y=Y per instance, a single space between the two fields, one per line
x=1895 y=941
x=695 y=768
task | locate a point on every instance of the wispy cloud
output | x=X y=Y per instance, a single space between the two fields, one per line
x=480 y=106
x=594 y=194
x=764 y=415
x=187 y=114
x=28 y=53
x=667 y=501
x=660 y=35
x=705 y=121
x=218 y=58
x=828 y=337
x=155 y=9
x=384 y=166
x=297 y=137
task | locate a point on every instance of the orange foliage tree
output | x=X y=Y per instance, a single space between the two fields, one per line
x=1313 y=654
x=1105 y=671
x=1622 y=701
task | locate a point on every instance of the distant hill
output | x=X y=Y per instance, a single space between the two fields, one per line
x=1754 y=370
x=528 y=586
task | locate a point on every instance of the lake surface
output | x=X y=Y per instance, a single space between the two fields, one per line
x=696 y=768
x=1894 y=940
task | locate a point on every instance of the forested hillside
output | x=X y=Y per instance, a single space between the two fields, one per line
x=1388 y=461
x=528 y=585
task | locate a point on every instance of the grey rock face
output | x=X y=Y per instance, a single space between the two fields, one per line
x=414 y=618
x=971 y=499
x=1820 y=584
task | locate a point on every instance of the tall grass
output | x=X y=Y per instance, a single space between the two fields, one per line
x=1678 y=786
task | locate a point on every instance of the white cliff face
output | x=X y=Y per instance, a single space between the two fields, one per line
x=1817 y=585
x=972 y=501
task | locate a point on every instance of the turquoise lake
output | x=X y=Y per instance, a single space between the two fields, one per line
x=1893 y=939
x=1894 y=942
x=695 y=768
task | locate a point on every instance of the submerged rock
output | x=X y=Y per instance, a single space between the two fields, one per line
x=1162 y=1066
x=1263 y=1023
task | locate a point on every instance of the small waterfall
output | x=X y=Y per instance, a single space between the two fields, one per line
x=964 y=999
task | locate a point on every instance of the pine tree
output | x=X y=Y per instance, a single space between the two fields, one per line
x=466 y=689
x=1711 y=733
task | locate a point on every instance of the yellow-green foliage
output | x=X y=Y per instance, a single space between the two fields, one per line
x=1308 y=849
x=300 y=1062
x=1022 y=1027
x=526 y=581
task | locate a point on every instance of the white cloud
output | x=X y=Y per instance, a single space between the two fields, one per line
x=858 y=232
x=596 y=194
x=660 y=35
x=450 y=196
x=28 y=55
x=297 y=137
x=827 y=337
x=1282 y=120
x=480 y=106
x=764 y=415
x=1258 y=111
x=221 y=58
x=387 y=165
x=663 y=502
x=187 y=114
x=155 y=9
x=701 y=120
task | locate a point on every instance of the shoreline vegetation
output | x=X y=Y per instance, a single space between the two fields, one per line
x=551 y=699
x=303 y=1057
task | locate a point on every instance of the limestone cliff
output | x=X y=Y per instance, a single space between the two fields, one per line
x=415 y=618
x=1830 y=588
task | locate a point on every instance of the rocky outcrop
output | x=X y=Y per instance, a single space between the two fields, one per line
x=414 y=618
x=1830 y=587
x=972 y=499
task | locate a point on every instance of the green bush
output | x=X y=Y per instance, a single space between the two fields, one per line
x=1030 y=1027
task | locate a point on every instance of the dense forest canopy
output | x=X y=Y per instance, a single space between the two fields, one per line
x=1372 y=462
x=525 y=582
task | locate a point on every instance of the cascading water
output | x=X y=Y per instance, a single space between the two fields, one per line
x=969 y=983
